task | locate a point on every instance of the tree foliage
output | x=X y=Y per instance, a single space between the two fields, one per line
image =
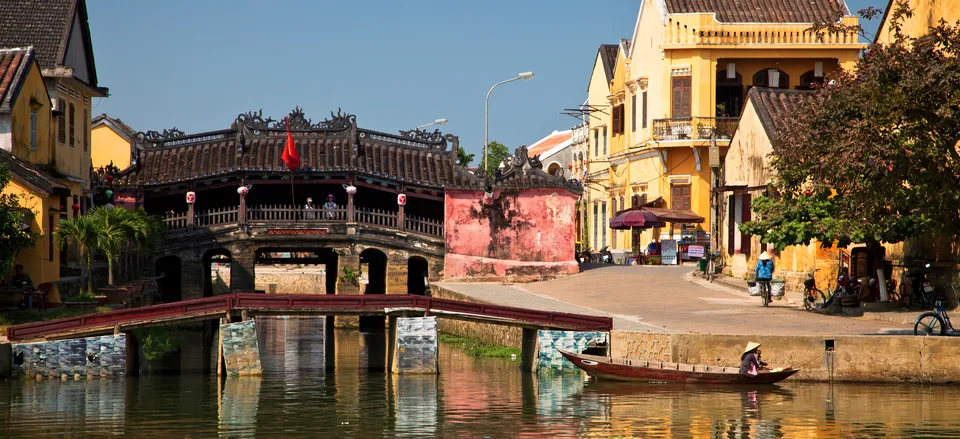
x=464 y=159
x=498 y=152
x=873 y=155
x=12 y=239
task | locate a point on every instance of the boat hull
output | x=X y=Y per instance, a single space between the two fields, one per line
x=658 y=372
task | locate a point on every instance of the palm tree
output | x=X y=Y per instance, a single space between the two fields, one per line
x=82 y=231
x=464 y=159
x=115 y=228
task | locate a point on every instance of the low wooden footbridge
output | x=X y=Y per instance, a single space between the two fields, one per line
x=252 y=304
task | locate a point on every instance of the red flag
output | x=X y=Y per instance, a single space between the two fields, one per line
x=290 y=155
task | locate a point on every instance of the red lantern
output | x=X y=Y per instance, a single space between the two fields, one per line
x=191 y=197
x=402 y=199
x=76 y=209
x=109 y=178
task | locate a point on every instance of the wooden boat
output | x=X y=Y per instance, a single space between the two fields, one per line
x=619 y=369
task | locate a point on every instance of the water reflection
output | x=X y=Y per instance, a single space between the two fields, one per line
x=470 y=398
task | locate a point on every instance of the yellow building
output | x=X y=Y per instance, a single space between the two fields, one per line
x=113 y=142
x=60 y=34
x=687 y=72
x=27 y=152
x=926 y=14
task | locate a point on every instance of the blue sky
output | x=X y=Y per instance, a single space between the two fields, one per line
x=197 y=64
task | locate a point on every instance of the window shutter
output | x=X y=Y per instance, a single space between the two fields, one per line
x=731 y=224
x=616 y=120
x=644 y=109
x=633 y=113
x=745 y=239
x=681 y=96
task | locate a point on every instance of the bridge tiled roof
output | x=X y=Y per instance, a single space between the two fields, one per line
x=764 y=11
x=253 y=146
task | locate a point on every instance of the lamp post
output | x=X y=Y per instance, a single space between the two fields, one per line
x=486 y=125
x=436 y=122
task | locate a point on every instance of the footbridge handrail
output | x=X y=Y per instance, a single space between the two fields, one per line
x=225 y=305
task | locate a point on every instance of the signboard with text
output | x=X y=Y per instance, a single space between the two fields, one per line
x=695 y=251
x=668 y=252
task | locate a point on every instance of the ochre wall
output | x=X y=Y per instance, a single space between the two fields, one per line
x=515 y=234
x=108 y=146
x=926 y=13
x=73 y=161
x=36 y=261
x=32 y=90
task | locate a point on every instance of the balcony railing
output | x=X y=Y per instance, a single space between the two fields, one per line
x=757 y=34
x=286 y=214
x=694 y=128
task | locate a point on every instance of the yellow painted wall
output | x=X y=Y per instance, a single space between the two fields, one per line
x=74 y=161
x=595 y=193
x=109 y=146
x=926 y=13
x=32 y=90
x=36 y=261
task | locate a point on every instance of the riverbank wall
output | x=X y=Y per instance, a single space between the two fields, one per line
x=496 y=335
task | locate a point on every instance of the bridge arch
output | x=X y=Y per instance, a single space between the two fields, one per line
x=217 y=266
x=373 y=263
x=169 y=268
x=418 y=272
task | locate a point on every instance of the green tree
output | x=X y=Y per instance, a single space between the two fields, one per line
x=464 y=159
x=498 y=152
x=872 y=156
x=82 y=232
x=12 y=239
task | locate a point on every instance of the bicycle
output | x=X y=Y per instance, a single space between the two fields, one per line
x=764 y=292
x=712 y=266
x=811 y=293
x=935 y=322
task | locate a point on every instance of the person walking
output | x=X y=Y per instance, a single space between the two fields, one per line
x=764 y=273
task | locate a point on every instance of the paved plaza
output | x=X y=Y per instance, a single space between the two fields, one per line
x=668 y=299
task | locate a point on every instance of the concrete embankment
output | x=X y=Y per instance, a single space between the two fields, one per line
x=840 y=358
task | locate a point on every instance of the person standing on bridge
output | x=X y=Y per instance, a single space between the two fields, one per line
x=330 y=206
x=308 y=210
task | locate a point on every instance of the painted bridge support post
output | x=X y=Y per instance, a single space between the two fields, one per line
x=240 y=349
x=329 y=344
x=528 y=350
x=412 y=345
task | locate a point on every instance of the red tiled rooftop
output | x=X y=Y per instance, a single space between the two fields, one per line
x=549 y=142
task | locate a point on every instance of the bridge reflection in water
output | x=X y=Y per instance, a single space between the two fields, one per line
x=470 y=398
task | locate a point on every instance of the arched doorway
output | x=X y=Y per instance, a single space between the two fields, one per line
x=168 y=269
x=418 y=271
x=772 y=77
x=373 y=267
x=216 y=272
x=373 y=270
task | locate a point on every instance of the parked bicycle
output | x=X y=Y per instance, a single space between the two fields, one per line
x=813 y=298
x=712 y=266
x=935 y=322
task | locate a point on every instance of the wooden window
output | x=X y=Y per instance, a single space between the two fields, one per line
x=61 y=129
x=644 y=115
x=596 y=221
x=71 y=120
x=604 y=140
x=86 y=132
x=731 y=224
x=745 y=240
x=680 y=196
x=613 y=213
x=33 y=130
x=764 y=77
x=604 y=225
x=633 y=113
x=596 y=142
x=50 y=236
x=617 y=120
x=681 y=86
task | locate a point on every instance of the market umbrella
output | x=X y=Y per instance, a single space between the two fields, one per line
x=675 y=215
x=640 y=218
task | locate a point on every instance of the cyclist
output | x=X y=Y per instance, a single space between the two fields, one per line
x=764 y=273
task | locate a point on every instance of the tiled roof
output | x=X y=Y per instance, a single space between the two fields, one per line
x=608 y=56
x=118 y=125
x=774 y=106
x=547 y=143
x=14 y=65
x=764 y=11
x=32 y=174
x=362 y=153
x=44 y=24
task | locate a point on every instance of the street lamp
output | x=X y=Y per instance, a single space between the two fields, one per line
x=436 y=122
x=486 y=126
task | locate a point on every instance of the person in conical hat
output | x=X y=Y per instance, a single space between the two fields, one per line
x=750 y=363
x=765 y=256
x=764 y=273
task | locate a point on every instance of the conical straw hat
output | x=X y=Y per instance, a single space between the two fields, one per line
x=751 y=346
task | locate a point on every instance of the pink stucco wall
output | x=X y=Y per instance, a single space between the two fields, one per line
x=517 y=235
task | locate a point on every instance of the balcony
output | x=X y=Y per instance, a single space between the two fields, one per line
x=694 y=128
x=758 y=34
x=287 y=215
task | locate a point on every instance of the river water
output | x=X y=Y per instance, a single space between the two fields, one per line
x=470 y=398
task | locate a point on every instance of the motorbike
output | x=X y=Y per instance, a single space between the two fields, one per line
x=585 y=257
x=921 y=287
x=605 y=256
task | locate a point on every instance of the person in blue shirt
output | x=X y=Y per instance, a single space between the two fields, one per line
x=764 y=273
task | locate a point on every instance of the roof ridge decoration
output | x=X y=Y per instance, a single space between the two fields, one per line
x=298 y=121
x=529 y=171
x=435 y=140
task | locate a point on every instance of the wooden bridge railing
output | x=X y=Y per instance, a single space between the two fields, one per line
x=278 y=213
